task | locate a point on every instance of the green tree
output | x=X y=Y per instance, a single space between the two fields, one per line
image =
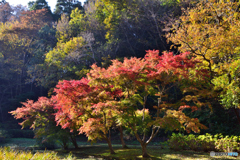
x=40 y=4
x=125 y=28
x=66 y=7
x=37 y=69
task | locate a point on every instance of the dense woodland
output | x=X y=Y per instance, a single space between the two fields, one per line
x=142 y=67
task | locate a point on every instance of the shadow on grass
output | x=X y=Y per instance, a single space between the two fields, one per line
x=134 y=153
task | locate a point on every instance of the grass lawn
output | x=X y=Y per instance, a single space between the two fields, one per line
x=20 y=142
x=100 y=151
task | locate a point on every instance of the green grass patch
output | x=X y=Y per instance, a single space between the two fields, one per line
x=23 y=142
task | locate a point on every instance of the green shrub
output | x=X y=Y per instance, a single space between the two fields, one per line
x=228 y=144
x=207 y=142
x=193 y=142
x=177 y=142
x=52 y=137
x=164 y=144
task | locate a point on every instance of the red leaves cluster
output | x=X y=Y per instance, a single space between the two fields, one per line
x=193 y=108
x=168 y=64
x=70 y=92
x=76 y=97
x=151 y=67
x=67 y=98
x=131 y=70
x=30 y=111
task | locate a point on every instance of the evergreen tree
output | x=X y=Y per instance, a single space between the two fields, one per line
x=3 y=2
x=66 y=7
x=39 y=4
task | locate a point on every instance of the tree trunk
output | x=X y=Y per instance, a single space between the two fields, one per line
x=65 y=146
x=74 y=141
x=124 y=146
x=144 y=150
x=110 y=145
x=143 y=144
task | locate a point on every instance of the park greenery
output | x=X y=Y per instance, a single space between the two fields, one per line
x=147 y=68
